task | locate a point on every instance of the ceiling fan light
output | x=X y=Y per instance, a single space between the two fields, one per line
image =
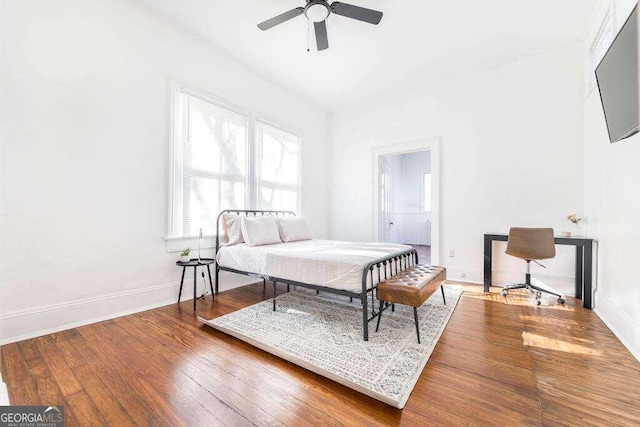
x=317 y=12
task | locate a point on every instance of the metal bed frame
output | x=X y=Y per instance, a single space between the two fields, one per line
x=386 y=267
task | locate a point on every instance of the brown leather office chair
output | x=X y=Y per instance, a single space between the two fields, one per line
x=531 y=244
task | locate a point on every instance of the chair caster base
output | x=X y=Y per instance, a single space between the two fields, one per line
x=504 y=293
x=537 y=302
x=560 y=300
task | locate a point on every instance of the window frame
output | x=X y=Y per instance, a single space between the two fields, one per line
x=175 y=179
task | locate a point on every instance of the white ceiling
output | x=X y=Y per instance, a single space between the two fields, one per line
x=417 y=42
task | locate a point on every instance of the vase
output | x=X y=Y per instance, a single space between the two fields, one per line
x=578 y=232
x=185 y=258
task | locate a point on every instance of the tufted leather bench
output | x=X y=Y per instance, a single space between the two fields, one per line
x=411 y=287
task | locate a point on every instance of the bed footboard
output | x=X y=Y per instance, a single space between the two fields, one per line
x=380 y=270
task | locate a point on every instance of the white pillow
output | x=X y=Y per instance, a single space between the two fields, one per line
x=293 y=229
x=260 y=230
x=231 y=230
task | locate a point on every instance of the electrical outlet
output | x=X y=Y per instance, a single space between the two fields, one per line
x=451 y=253
x=462 y=274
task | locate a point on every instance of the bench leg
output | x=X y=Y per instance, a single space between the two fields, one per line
x=393 y=307
x=443 y=298
x=415 y=315
x=379 y=315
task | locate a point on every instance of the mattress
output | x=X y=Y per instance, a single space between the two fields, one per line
x=328 y=263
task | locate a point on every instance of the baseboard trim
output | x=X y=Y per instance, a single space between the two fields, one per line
x=34 y=322
x=634 y=352
x=36 y=318
x=83 y=301
x=499 y=277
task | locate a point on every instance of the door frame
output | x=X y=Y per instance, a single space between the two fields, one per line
x=433 y=145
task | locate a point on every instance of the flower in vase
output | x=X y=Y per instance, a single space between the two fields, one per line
x=574 y=219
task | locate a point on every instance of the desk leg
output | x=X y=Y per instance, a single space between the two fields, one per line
x=181 y=282
x=588 y=272
x=488 y=253
x=213 y=294
x=579 y=271
x=195 y=276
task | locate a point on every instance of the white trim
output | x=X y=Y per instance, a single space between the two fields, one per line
x=433 y=145
x=205 y=236
x=34 y=322
x=635 y=352
x=83 y=301
x=209 y=97
x=178 y=244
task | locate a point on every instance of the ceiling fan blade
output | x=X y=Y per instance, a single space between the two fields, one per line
x=269 y=23
x=321 y=35
x=356 y=12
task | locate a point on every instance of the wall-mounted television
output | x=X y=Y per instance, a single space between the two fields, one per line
x=618 y=76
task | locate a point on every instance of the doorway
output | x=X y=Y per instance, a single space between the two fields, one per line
x=407 y=197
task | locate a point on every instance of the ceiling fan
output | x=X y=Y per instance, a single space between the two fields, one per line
x=317 y=11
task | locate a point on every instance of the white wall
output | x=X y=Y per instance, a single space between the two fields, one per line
x=85 y=156
x=612 y=210
x=511 y=155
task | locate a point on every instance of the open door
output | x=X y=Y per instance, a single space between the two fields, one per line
x=407 y=197
x=405 y=200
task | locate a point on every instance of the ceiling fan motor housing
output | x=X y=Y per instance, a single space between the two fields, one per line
x=317 y=11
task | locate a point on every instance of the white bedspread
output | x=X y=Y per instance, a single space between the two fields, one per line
x=327 y=263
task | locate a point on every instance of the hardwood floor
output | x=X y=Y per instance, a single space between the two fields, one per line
x=499 y=361
x=424 y=253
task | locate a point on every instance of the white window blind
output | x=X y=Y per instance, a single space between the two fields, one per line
x=278 y=170
x=210 y=164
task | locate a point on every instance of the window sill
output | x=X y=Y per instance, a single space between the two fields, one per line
x=178 y=244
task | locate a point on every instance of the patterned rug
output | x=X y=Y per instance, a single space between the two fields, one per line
x=323 y=333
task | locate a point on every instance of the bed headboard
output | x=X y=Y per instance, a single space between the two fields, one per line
x=247 y=212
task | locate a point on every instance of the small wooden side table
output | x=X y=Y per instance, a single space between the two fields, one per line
x=195 y=263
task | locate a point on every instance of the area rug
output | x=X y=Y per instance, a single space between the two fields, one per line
x=323 y=333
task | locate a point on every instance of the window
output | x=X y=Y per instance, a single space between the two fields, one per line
x=426 y=192
x=278 y=157
x=600 y=37
x=214 y=167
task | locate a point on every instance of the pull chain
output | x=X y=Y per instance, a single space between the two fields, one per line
x=308 y=33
